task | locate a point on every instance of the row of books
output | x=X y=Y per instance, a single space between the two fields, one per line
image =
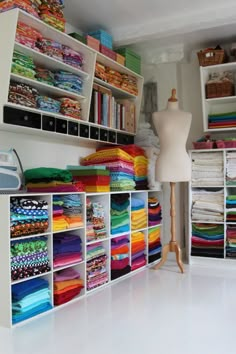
x=110 y=112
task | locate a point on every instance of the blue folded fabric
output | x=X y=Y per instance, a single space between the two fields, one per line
x=137 y=203
x=120 y=229
x=19 y=291
x=36 y=311
x=66 y=248
x=155 y=251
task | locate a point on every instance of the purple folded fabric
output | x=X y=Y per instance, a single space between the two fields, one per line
x=115 y=264
x=65 y=237
x=120 y=238
x=66 y=274
x=117 y=245
x=137 y=255
x=153 y=223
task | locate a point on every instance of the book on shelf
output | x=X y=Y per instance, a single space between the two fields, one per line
x=110 y=112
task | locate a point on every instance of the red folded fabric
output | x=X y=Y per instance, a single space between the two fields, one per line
x=67 y=296
x=119 y=264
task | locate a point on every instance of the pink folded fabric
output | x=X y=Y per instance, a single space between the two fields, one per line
x=66 y=274
x=61 y=261
x=119 y=264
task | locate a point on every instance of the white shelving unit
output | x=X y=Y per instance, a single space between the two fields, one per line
x=228 y=190
x=8 y=24
x=216 y=105
x=5 y=246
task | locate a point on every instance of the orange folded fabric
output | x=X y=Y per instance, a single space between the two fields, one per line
x=59 y=285
x=68 y=288
x=120 y=250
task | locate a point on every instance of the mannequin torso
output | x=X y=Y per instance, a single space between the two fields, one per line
x=173 y=125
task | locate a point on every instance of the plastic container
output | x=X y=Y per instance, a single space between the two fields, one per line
x=220 y=144
x=93 y=42
x=132 y=60
x=108 y=52
x=120 y=59
x=228 y=144
x=203 y=145
x=104 y=37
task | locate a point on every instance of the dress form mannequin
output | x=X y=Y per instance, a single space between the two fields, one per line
x=173 y=163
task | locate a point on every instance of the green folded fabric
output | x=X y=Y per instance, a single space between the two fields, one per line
x=47 y=173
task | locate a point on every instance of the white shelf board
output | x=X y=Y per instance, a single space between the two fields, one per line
x=45 y=89
x=120 y=234
x=151 y=227
x=30 y=236
x=118 y=92
x=220 y=100
x=219 y=67
x=142 y=229
x=221 y=130
x=207 y=222
x=193 y=186
x=100 y=287
x=45 y=61
x=30 y=278
x=96 y=241
x=57 y=269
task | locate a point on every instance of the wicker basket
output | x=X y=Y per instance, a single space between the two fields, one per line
x=219 y=89
x=203 y=144
x=211 y=57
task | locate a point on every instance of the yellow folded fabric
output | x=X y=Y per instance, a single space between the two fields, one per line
x=59 y=285
x=50 y=184
x=108 y=153
x=91 y=189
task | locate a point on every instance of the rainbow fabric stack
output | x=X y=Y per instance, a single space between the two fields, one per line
x=120 y=264
x=120 y=164
x=138 y=247
x=29 y=6
x=67 y=285
x=138 y=214
x=67 y=212
x=120 y=220
x=51 y=12
x=154 y=212
x=231 y=241
x=94 y=178
x=67 y=249
x=154 y=244
x=140 y=165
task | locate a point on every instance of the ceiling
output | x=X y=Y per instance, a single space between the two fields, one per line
x=136 y=21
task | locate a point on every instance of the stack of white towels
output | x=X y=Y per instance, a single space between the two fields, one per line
x=231 y=168
x=208 y=205
x=207 y=169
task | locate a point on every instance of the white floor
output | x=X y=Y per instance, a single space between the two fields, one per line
x=153 y=312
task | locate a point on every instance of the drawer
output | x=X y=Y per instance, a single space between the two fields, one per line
x=103 y=134
x=21 y=117
x=73 y=128
x=61 y=126
x=112 y=137
x=125 y=139
x=84 y=131
x=49 y=123
x=94 y=133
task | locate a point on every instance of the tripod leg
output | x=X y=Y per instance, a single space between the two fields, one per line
x=178 y=258
x=165 y=251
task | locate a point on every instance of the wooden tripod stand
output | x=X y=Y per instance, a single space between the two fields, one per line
x=172 y=246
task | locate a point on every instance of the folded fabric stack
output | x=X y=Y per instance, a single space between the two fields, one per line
x=22 y=94
x=138 y=247
x=129 y=84
x=29 y=258
x=46 y=180
x=68 y=81
x=94 y=178
x=113 y=77
x=208 y=240
x=67 y=285
x=72 y=210
x=120 y=180
x=29 y=299
x=208 y=205
x=120 y=264
x=51 y=48
x=154 y=211
x=96 y=227
x=48 y=104
x=97 y=274
x=67 y=249
x=138 y=214
x=231 y=241
x=100 y=71
x=27 y=35
x=140 y=165
x=120 y=220
x=59 y=220
x=231 y=208
x=222 y=120
x=72 y=58
x=231 y=168
x=29 y=6
x=45 y=76
x=28 y=217
x=23 y=65
x=70 y=108
x=213 y=176
x=51 y=12
x=154 y=244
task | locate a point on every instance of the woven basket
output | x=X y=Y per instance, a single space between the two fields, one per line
x=219 y=89
x=211 y=57
x=203 y=145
